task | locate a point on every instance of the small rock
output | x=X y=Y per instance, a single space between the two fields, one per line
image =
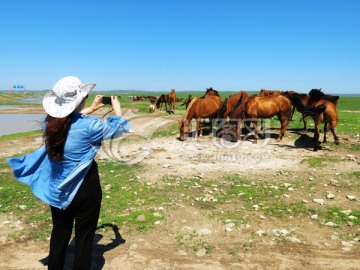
x=141 y=218
x=351 y=197
x=319 y=201
x=330 y=196
x=346 y=212
x=201 y=252
x=331 y=224
x=293 y=239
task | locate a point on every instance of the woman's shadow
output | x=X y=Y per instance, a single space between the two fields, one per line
x=98 y=259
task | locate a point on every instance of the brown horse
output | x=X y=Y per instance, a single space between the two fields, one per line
x=161 y=101
x=255 y=107
x=198 y=109
x=328 y=117
x=171 y=100
x=187 y=101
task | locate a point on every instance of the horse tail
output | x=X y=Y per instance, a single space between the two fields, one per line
x=238 y=109
x=222 y=110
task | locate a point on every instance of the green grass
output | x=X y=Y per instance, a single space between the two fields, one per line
x=21 y=135
x=335 y=214
x=316 y=162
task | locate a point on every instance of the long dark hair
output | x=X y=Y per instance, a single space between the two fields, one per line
x=56 y=130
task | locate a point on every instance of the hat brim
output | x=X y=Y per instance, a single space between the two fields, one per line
x=63 y=109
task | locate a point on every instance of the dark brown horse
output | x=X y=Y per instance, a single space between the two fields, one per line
x=255 y=107
x=187 y=101
x=198 y=109
x=161 y=101
x=328 y=117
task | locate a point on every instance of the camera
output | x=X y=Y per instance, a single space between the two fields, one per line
x=107 y=100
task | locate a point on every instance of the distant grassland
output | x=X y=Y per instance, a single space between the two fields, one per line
x=348 y=106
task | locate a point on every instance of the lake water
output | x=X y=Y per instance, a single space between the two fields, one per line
x=16 y=123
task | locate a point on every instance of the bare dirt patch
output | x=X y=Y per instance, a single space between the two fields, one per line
x=189 y=238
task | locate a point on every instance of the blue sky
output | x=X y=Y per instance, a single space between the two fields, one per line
x=183 y=44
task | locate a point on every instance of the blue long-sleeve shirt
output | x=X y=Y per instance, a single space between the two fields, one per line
x=56 y=183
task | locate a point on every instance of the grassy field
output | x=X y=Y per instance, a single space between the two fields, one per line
x=126 y=198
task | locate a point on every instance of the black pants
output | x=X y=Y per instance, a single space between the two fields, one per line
x=84 y=210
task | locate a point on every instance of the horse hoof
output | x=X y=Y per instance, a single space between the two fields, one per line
x=254 y=142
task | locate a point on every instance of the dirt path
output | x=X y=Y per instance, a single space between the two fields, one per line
x=310 y=247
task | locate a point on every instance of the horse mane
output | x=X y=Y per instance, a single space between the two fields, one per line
x=189 y=107
x=333 y=99
x=211 y=89
x=317 y=94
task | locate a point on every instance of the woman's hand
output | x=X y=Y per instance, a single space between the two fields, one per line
x=115 y=103
x=95 y=105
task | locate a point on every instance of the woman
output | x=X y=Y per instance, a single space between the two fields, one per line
x=63 y=173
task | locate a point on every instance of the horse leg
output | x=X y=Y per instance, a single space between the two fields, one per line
x=246 y=129
x=255 y=123
x=284 y=124
x=316 y=136
x=198 y=127
x=304 y=120
x=332 y=129
x=325 y=128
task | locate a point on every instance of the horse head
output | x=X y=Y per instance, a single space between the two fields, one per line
x=211 y=92
x=184 y=129
x=316 y=95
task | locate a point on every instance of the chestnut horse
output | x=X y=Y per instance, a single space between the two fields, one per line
x=254 y=107
x=199 y=108
x=171 y=100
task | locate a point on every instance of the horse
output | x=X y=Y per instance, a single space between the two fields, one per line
x=171 y=100
x=160 y=101
x=254 y=107
x=187 y=101
x=198 y=108
x=328 y=117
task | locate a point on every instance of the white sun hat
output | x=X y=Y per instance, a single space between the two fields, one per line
x=66 y=95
